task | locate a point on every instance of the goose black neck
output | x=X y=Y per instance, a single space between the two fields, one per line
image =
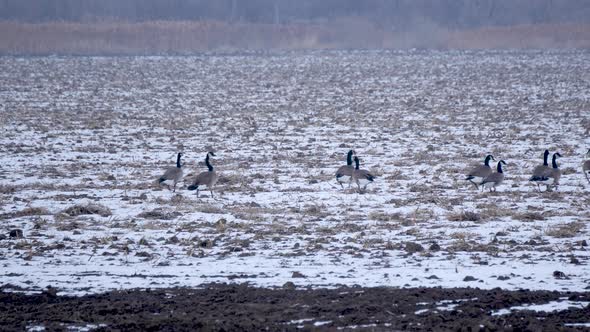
x=178 y=161
x=500 y=168
x=356 y=162
x=208 y=164
x=349 y=158
x=554 y=161
x=487 y=161
x=545 y=158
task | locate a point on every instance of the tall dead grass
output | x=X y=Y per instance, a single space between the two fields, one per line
x=188 y=37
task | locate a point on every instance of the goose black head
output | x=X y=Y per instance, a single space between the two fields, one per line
x=545 y=155
x=500 y=165
x=487 y=161
x=349 y=157
x=554 y=161
x=180 y=154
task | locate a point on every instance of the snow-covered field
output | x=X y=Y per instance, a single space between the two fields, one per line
x=81 y=131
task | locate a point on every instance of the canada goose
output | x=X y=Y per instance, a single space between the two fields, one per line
x=208 y=178
x=173 y=175
x=555 y=172
x=494 y=179
x=478 y=173
x=586 y=166
x=361 y=176
x=541 y=172
x=344 y=173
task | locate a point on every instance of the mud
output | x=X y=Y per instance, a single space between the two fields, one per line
x=222 y=307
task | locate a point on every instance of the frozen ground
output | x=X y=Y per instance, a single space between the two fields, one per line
x=77 y=131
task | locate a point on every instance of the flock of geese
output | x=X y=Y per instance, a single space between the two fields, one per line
x=480 y=176
x=483 y=176
x=208 y=179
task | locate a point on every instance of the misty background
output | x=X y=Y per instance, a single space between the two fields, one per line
x=188 y=26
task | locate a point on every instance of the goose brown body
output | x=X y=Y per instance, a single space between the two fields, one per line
x=555 y=172
x=172 y=175
x=205 y=179
x=495 y=179
x=361 y=177
x=480 y=172
x=344 y=173
x=541 y=172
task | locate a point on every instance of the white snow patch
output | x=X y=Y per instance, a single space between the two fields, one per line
x=546 y=307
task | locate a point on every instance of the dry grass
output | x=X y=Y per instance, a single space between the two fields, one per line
x=565 y=230
x=384 y=216
x=177 y=37
x=30 y=211
x=78 y=210
x=523 y=36
x=7 y=189
x=491 y=211
x=528 y=216
x=160 y=214
x=464 y=216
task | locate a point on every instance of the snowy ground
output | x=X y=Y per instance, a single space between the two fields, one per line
x=78 y=131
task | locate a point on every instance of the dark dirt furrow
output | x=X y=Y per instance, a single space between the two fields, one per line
x=222 y=307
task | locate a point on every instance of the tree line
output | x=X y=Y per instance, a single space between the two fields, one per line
x=389 y=14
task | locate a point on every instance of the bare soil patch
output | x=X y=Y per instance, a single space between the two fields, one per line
x=222 y=307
